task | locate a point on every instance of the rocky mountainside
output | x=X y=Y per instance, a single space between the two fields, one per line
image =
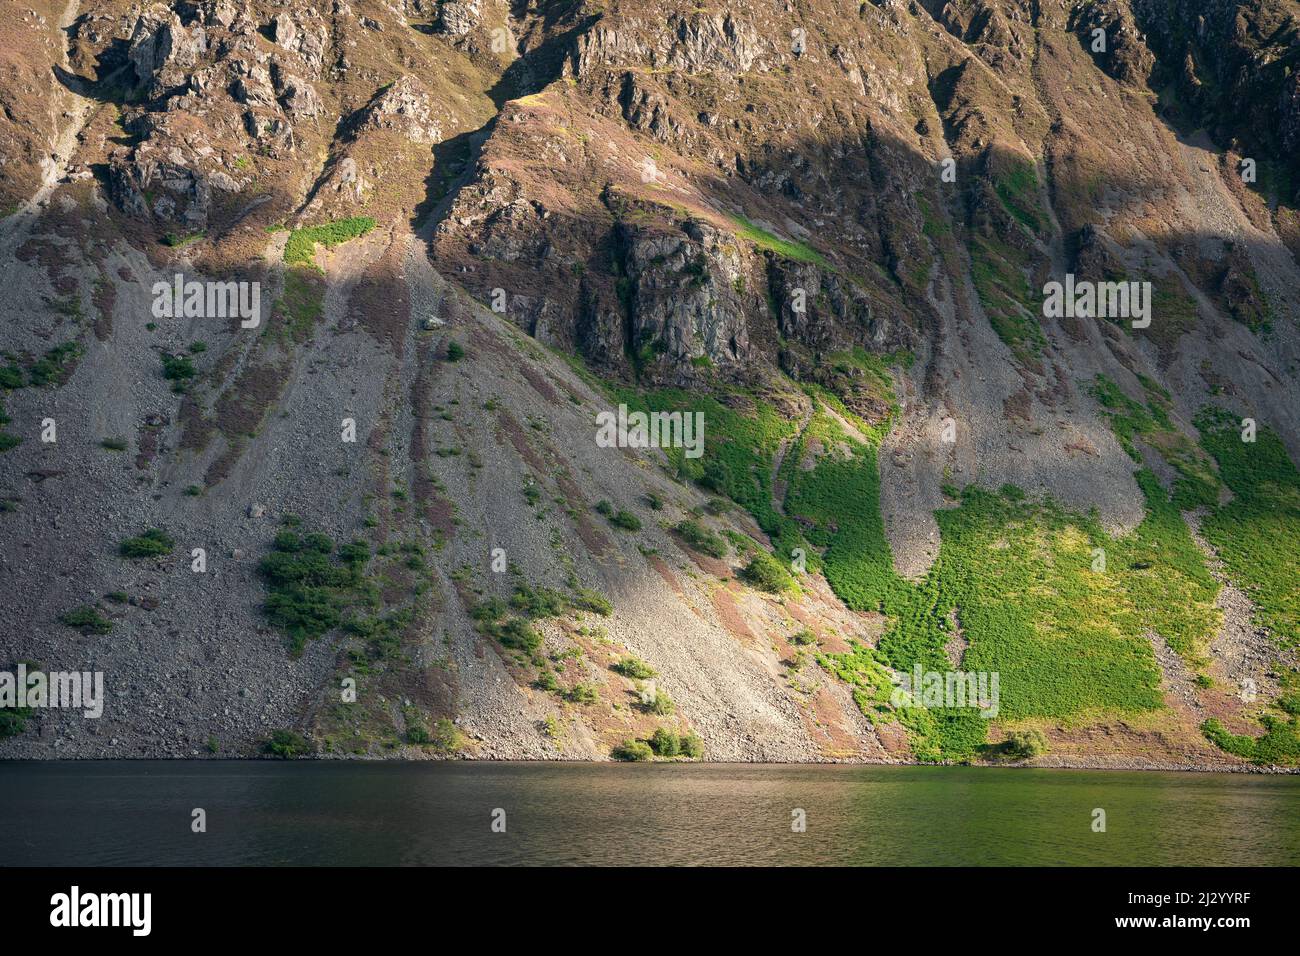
x=987 y=310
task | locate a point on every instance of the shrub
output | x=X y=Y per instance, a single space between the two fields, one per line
x=285 y=744
x=632 y=750
x=546 y=681
x=665 y=743
x=114 y=444
x=538 y=602
x=1025 y=744
x=585 y=599
x=692 y=746
x=626 y=520
x=803 y=638
x=635 y=668
x=768 y=574
x=702 y=539
x=581 y=694
x=520 y=635
x=177 y=368
x=150 y=544
x=87 y=619
x=662 y=705
x=446 y=735
x=455 y=351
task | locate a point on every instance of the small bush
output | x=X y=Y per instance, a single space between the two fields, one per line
x=286 y=744
x=665 y=743
x=768 y=574
x=151 y=544
x=585 y=599
x=803 y=638
x=581 y=694
x=632 y=750
x=692 y=746
x=662 y=705
x=702 y=539
x=87 y=620
x=455 y=351
x=626 y=520
x=635 y=668
x=114 y=444
x=1025 y=744
x=177 y=368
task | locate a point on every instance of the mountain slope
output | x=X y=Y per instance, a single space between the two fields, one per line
x=826 y=227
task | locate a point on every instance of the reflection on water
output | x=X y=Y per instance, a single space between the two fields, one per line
x=310 y=813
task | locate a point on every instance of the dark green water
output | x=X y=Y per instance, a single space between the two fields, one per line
x=441 y=813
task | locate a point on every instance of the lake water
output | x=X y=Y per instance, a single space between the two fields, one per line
x=321 y=813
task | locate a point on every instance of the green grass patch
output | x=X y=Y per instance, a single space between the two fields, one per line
x=768 y=242
x=300 y=249
x=151 y=544
x=1257 y=534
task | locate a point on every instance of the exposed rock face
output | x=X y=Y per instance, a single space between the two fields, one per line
x=458 y=17
x=688 y=296
x=407 y=107
x=161 y=50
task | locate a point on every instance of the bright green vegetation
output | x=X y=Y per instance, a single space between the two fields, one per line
x=768 y=574
x=1257 y=534
x=310 y=584
x=739 y=448
x=1025 y=744
x=445 y=736
x=151 y=544
x=53 y=368
x=286 y=744
x=1197 y=484
x=177 y=240
x=619 y=519
x=632 y=750
x=766 y=241
x=1280 y=742
x=665 y=742
x=633 y=667
x=1046 y=599
x=1017 y=187
x=301 y=246
x=840 y=498
x=662 y=705
x=702 y=539
x=509 y=623
x=998 y=271
x=13 y=721
x=86 y=619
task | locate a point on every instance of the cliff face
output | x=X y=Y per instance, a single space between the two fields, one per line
x=828 y=227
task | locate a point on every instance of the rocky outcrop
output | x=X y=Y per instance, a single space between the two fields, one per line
x=162 y=51
x=407 y=107
x=689 y=293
